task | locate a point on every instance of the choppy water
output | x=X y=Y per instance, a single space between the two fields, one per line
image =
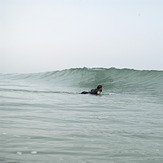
x=43 y=118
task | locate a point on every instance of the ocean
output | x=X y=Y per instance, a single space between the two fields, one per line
x=45 y=119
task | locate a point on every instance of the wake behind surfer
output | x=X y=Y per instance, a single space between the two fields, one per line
x=96 y=91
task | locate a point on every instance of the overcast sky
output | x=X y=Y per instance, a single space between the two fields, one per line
x=48 y=35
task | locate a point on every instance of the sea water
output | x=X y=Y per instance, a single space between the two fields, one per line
x=45 y=119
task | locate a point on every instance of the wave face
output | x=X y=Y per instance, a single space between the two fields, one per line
x=113 y=80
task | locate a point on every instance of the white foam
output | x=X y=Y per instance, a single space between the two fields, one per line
x=34 y=152
x=19 y=153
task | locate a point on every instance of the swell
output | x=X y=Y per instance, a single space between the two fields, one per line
x=112 y=79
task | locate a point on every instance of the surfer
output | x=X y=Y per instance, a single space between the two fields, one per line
x=96 y=91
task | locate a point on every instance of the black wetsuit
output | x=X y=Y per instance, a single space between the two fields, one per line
x=93 y=92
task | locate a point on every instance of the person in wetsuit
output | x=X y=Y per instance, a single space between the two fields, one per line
x=96 y=91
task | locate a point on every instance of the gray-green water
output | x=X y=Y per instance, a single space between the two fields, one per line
x=43 y=118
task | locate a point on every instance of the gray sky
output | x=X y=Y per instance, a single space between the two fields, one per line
x=47 y=35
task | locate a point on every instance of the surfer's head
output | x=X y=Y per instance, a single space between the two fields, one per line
x=99 y=87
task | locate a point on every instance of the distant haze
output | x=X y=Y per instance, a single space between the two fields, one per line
x=48 y=35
